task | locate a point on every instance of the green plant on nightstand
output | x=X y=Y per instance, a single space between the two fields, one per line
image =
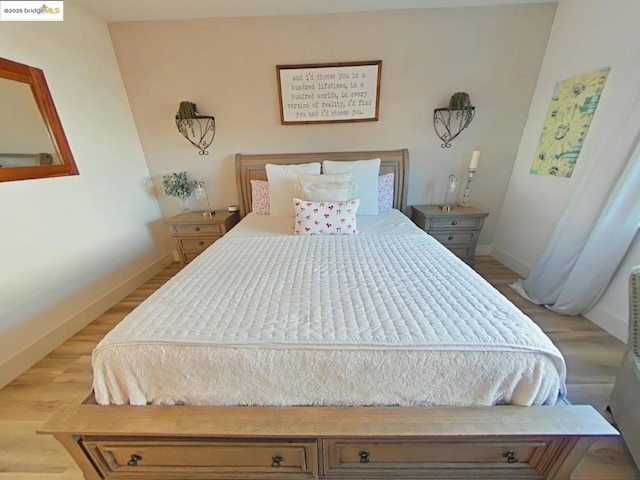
x=179 y=185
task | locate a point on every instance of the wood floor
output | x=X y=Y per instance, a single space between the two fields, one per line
x=64 y=376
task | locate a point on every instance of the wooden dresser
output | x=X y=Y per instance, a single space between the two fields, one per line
x=458 y=229
x=193 y=232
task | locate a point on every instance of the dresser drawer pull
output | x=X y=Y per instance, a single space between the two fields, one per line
x=277 y=461
x=510 y=455
x=455 y=222
x=450 y=237
x=200 y=242
x=364 y=456
x=135 y=458
x=197 y=229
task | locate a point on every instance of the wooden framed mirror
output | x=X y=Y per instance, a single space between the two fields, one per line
x=32 y=140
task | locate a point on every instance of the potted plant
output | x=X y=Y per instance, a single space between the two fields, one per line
x=460 y=103
x=179 y=185
x=187 y=111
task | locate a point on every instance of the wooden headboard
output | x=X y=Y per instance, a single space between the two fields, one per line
x=252 y=167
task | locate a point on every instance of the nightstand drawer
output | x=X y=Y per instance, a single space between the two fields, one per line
x=425 y=459
x=461 y=252
x=458 y=230
x=196 y=244
x=453 y=237
x=456 y=222
x=196 y=229
x=192 y=233
x=203 y=459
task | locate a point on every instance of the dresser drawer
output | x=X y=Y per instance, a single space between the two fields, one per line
x=196 y=229
x=187 y=257
x=462 y=252
x=456 y=222
x=205 y=459
x=418 y=458
x=453 y=237
x=196 y=244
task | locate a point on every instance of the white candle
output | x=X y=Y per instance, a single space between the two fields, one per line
x=475 y=158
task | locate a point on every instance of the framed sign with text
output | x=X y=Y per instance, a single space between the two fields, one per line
x=329 y=92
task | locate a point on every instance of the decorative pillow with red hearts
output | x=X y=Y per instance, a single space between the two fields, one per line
x=325 y=218
x=385 y=192
x=260 y=197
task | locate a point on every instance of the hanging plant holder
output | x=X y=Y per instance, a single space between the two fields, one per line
x=450 y=121
x=198 y=129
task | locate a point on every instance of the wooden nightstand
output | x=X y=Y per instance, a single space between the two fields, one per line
x=458 y=229
x=193 y=233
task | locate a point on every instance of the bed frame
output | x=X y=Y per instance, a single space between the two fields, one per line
x=183 y=442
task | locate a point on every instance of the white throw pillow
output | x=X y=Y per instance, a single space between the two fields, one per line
x=282 y=186
x=325 y=218
x=365 y=174
x=320 y=188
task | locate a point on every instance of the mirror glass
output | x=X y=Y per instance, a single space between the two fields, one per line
x=32 y=141
x=24 y=138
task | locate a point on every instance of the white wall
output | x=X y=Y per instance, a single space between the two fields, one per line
x=586 y=35
x=227 y=67
x=70 y=247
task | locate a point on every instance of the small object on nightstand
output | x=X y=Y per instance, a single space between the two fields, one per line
x=193 y=232
x=458 y=229
x=201 y=194
x=450 y=195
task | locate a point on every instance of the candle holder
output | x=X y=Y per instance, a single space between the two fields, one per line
x=449 y=197
x=201 y=194
x=465 y=198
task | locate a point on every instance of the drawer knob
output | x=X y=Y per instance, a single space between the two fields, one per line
x=135 y=458
x=455 y=222
x=277 y=461
x=364 y=456
x=510 y=455
x=200 y=242
x=450 y=237
x=197 y=229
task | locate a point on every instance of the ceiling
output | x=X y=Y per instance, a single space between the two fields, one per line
x=143 y=10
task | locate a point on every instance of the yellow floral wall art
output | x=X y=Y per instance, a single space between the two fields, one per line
x=567 y=122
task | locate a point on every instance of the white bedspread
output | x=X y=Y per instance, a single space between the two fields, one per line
x=386 y=317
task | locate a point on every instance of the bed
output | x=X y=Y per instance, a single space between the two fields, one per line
x=371 y=355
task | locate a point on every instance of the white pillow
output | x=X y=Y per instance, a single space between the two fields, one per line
x=332 y=188
x=365 y=174
x=325 y=218
x=282 y=186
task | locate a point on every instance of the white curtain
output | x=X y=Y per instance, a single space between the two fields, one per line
x=595 y=230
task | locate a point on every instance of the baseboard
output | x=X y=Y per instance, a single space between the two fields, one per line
x=50 y=340
x=616 y=326
x=483 y=250
x=511 y=262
